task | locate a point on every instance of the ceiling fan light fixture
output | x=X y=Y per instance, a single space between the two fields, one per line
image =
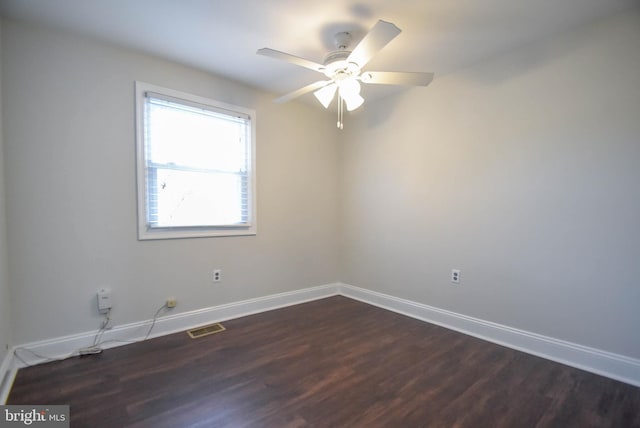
x=353 y=102
x=349 y=89
x=349 y=86
x=325 y=95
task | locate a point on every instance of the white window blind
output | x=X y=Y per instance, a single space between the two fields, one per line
x=197 y=167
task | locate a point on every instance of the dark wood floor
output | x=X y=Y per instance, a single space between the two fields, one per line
x=329 y=363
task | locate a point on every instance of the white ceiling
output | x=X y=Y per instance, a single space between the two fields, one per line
x=222 y=36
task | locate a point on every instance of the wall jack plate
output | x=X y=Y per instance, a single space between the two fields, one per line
x=105 y=300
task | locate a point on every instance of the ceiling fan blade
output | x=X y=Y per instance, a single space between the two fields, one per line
x=309 y=88
x=397 y=78
x=377 y=38
x=291 y=58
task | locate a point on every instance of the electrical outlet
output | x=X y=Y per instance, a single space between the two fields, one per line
x=172 y=302
x=217 y=275
x=455 y=276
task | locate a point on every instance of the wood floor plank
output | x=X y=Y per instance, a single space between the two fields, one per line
x=334 y=362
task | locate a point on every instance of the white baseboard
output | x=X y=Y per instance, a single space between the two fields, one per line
x=604 y=363
x=7 y=374
x=62 y=347
x=593 y=360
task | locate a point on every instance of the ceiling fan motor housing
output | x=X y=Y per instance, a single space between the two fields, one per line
x=336 y=64
x=343 y=40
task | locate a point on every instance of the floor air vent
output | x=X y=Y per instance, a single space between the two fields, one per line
x=205 y=330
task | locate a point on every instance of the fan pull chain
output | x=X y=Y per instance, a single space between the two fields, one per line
x=340 y=123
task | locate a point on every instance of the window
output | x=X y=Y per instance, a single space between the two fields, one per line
x=195 y=161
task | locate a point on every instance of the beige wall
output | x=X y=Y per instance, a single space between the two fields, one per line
x=522 y=171
x=5 y=320
x=70 y=163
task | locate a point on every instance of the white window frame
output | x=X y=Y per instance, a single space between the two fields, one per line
x=145 y=232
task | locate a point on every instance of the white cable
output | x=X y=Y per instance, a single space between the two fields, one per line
x=93 y=349
x=105 y=323
x=155 y=317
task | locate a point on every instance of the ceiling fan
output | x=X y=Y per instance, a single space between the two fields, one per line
x=344 y=69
